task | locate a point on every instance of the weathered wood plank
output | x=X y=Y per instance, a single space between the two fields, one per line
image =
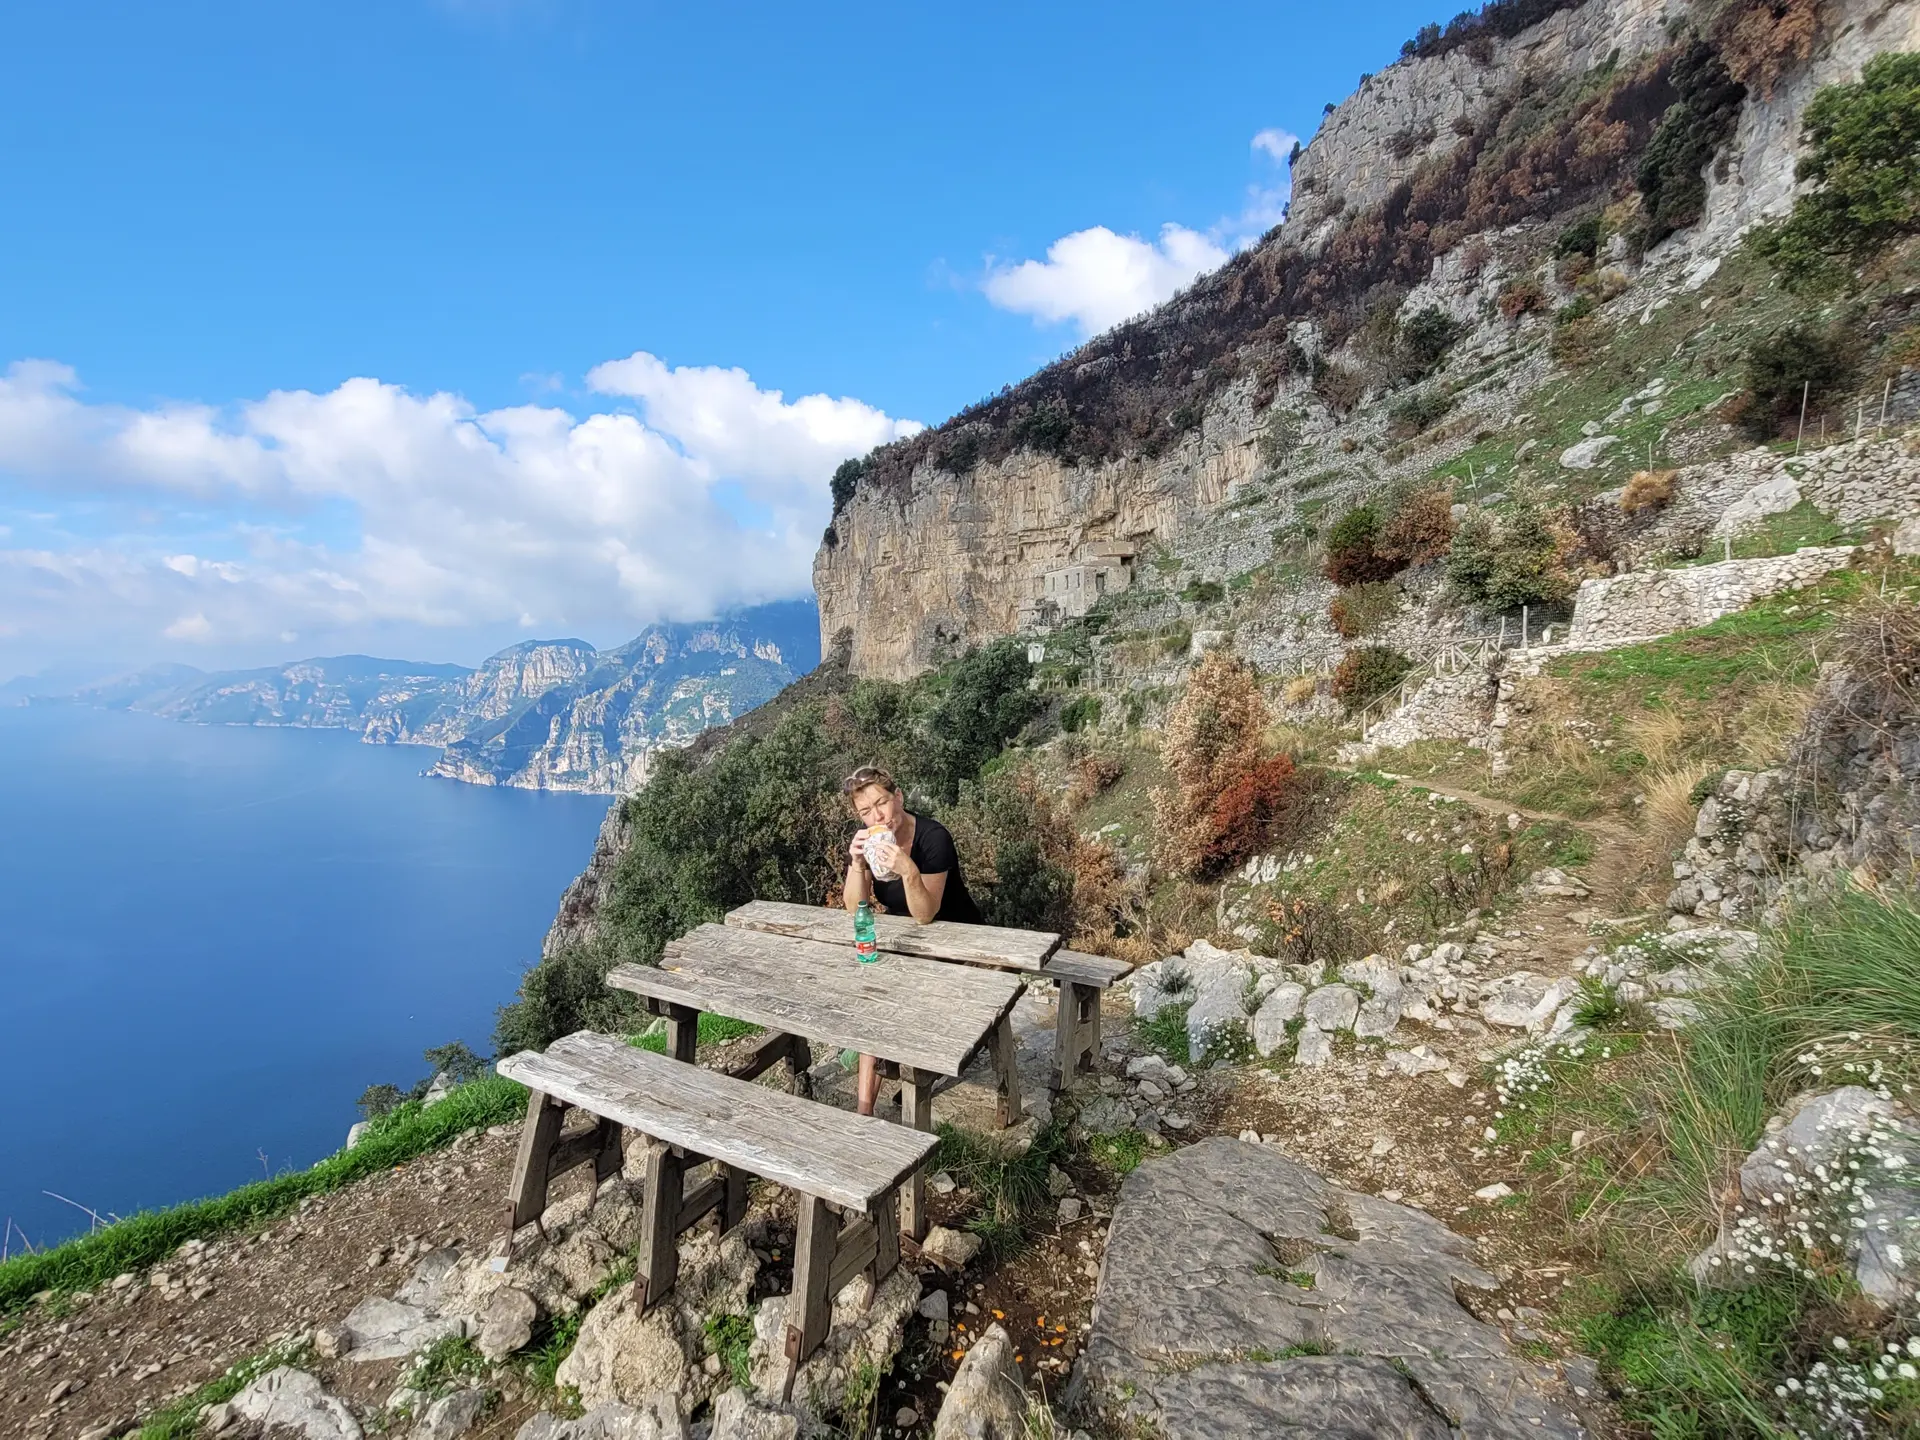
x=916 y=1112
x=1006 y=1070
x=1095 y=970
x=855 y=1250
x=993 y=945
x=816 y=1237
x=658 y=1264
x=848 y=1159
x=532 y=1165
x=918 y=1012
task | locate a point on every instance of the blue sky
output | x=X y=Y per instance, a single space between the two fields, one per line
x=422 y=326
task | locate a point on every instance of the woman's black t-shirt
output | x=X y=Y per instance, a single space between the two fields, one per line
x=933 y=852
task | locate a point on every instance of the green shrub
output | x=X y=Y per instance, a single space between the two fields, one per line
x=1580 y=238
x=1365 y=674
x=1353 y=556
x=1671 y=175
x=846 y=483
x=1204 y=592
x=1504 y=567
x=1418 y=412
x=1363 y=609
x=1425 y=339
x=1080 y=713
x=1005 y=830
x=1795 y=364
x=1863 y=158
x=985 y=705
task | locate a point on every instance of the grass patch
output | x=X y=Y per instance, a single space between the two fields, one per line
x=1121 y=1153
x=443 y=1365
x=141 y=1240
x=1011 y=1187
x=1166 y=1033
x=713 y=1030
x=545 y=1358
x=731 y=1338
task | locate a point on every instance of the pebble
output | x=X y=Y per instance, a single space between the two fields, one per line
x=942 y=1183
x=121 y=1281
x=906 y=1417
x=1499 y=1190
x=1069 y=1210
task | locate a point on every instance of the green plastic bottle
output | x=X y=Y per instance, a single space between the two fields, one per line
x=866 y=944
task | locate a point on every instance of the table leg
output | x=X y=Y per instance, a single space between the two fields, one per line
x=916 y=1112
x=659 y=1259
x=683 y=1032
x=816 y=1240
x=1006 y=1069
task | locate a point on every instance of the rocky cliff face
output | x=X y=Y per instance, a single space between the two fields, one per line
x=545 y=715
x=963 y=534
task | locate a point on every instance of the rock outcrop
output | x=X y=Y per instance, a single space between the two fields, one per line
x=1243 y=1295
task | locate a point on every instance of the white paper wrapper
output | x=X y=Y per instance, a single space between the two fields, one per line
x=875 y=837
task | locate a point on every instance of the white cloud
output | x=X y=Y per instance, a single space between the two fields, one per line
x=1096 y=278
x=369 y=507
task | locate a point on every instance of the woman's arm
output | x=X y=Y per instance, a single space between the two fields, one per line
x=923 y=891
x=859 y=884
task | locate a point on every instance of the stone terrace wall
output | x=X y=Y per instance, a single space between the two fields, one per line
x=1657 y=602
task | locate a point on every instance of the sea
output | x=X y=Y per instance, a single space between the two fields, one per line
x=213 y=938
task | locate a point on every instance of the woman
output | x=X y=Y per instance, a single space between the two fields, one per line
x=922 y=866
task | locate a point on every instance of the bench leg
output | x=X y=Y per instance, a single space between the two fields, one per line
x=733 y=1207
x=799 y=1062
x=612 y=1151
x=916 y=1113
x=886 y=1230
x=659 y=1259
x=817 y=1238
x=527 y=1192
x=1089 y=1027
x=1066 y=1034
x=1006 y=1069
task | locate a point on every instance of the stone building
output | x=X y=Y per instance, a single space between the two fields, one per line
x=1067 y=591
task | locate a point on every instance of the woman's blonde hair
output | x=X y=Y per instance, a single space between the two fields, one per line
x=868 y=775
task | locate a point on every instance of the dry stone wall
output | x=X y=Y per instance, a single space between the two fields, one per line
x=1646 y=603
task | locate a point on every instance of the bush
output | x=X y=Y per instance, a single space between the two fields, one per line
x=1028 y=866
x=1416 y=413
x=1504 y=567
x=1524 y=296
x=1649 y=490
x=1252 y=816
x=985 y=705
x=1794 y=365
x=1080 y=713
x=1863 y=158
x=1671 y=174
x=1340 y=386
x=1420 y=527
x=1763 y=39
x=1204 y=592
x=1352 y=556
x=1426 y=337
x=1363 y=609
x=1580 y=238
x=1365 y=674
x=1212 y=738
x=846 y=483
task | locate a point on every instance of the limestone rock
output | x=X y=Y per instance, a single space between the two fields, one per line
x=1523 y=1000
x=1270 y=1021
x=292 y=1401
x=451 y=1415
x=951 y=1249
x=1773 y=496
x=657 y=1417
x=986 y=1400
x=1378 y=1016
x=737 y=1417
x=865 y=1334
x=1180 y=1308
x=1314 y=1048
x=1332 y=1007
x=622 y=1355
x=383 y=1329
x=1417 y=1061
x=508 y=1323
x=1586 y=454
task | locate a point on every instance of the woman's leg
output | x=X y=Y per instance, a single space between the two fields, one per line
x=869 y=1084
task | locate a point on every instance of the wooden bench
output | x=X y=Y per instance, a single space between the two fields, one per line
x=841 y=1165
x=1081 y=978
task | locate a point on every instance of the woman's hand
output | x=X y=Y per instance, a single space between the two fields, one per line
x=888 y=858
x=857 y=850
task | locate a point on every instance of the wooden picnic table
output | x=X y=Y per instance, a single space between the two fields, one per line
x=924 y=1018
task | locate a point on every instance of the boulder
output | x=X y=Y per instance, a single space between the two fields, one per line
x=382 y=1329
x=1523 y=1000
x=1586 y=454
x=622 y=1355
x=737 y=1417
x=1276 y=1012
x=1378 y=1016
x=986 y=1400
x=507 y=1325
x=950 y=1249
x=451 y=1415
x=1313 y=1048
x=1185 y=1312
x=293 y=1402
x=657 y=1417
x=865 y=1334
x=1331 y=1007
x=1219 y=1009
